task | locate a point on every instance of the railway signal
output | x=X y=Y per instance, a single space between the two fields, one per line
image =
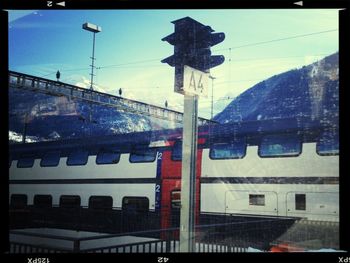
x=192 y=42
x=192 y=60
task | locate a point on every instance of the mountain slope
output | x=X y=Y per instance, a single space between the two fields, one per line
x=310 y=91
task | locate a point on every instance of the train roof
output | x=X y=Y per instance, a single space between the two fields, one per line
x=307 y=129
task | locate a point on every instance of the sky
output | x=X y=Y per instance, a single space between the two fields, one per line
x=258 y=44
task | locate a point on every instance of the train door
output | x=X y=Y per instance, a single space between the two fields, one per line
x=171 y=188
x=171 y=203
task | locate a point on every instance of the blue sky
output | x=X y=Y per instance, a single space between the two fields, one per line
x=129 y=48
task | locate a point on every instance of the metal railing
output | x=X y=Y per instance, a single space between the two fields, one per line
x=235 y=236
x=169 y=245
x=22 y=248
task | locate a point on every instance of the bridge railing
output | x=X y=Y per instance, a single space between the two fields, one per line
x=57 y=88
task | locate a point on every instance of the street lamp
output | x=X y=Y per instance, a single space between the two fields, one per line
x=94 y=29
x=212 y=94
x=212 y=105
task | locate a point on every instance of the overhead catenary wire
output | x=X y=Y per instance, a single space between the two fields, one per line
x=225 y=49
x=277 y=39
x=217 y=84
x=130 y=63
x=63 y=70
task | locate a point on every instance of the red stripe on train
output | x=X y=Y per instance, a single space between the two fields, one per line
x=171 y=181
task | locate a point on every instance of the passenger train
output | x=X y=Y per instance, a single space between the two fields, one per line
x=254 y=171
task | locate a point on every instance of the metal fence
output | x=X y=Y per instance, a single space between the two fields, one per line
x=155 y=246
x=21 y=248
x=210 y=238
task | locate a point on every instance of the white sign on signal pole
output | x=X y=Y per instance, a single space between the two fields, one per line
x=195 y=82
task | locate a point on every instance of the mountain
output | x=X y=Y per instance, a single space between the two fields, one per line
x=311 y=91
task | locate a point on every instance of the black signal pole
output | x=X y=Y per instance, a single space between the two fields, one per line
x=192 y=60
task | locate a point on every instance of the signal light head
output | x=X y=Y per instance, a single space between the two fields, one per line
x=192 y=41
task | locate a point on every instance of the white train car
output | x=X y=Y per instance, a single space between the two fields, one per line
x=302 y=186
x=261 y=174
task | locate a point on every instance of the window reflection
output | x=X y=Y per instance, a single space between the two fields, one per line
x=107 y=157
x=233 y=150
x=143 y=155
x=280 y=145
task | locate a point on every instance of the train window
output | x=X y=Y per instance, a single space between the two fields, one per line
x=77 y=158
x=143 y=155
x=233 y=150
x=280 y=146
x=70 y=201
x=50 y=159
x=256 y=199
x=25 y=162
x=135 y=204
x=300 y=202
x=107 y=157
x=176 y=154
x=18 y=201
x=328 y=144
x=43 y=201
x=101 y=202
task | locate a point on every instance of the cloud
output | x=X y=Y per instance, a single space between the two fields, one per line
x=32 y=20
x=85 y=83
x=18 y=14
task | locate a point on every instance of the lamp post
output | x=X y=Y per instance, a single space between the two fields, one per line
x=212 y=95
x=94 y=29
